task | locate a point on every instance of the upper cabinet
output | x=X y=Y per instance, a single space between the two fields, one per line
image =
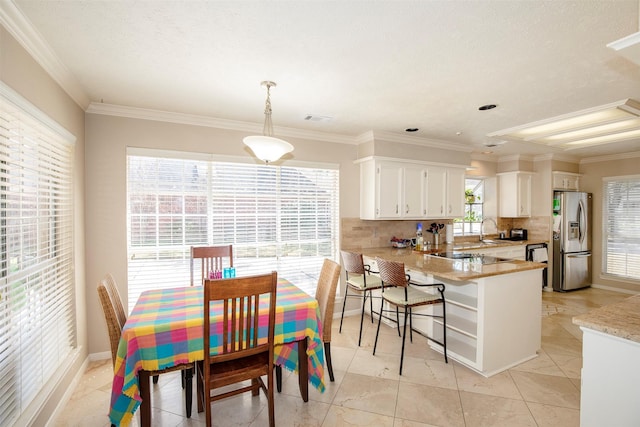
x=566 y=181
x=515 y=194
x=407 y=190
x=444 y=192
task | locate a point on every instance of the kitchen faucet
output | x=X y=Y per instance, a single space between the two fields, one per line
x=482 y=227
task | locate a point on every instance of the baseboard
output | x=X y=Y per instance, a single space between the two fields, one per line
x=611 y=288
x=94 y=357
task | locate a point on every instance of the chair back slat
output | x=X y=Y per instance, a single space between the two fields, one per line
x=211 y=258
x=109 y=300
x=392 y=272
x=326 y=295
x=241 y=300
x=352 y=262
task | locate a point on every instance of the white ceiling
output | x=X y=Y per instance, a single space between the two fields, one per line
x=380 y=66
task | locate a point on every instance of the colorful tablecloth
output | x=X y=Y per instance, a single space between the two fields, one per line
x=165 y=329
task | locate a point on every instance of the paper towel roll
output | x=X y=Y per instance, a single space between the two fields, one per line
x=449 y=231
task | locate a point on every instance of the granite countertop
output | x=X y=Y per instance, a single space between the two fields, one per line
x=450 y=269
x=469 y=246
x=621 y=319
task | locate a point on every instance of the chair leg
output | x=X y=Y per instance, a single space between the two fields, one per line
x=278 y=370
x=344 y=303
x=327 y=354
x=410 y=325
x=444 y=330
x=364 y=300
x=155 y=379
x=404 y=336
x=371 y=305
x=188 y=381
x=375 y=344
x=398 y=320
x=199 y=389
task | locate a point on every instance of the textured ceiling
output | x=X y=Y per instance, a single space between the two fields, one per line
x=370 y=65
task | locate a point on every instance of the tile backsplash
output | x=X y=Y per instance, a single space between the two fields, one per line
x=358 y=233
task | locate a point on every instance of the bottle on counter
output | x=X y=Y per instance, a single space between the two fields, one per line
x=419 y=241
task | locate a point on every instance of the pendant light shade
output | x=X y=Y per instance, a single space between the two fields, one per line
x=266 y=147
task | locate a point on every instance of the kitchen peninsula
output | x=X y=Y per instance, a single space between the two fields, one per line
x=493 y=309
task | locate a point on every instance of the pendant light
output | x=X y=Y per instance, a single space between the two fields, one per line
x=266 y=147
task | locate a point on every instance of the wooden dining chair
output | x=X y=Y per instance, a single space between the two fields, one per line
x=116 y=318
x=399 y=291
x=326 y=296
x=361 y=281
x=243 y=354
x=211 y=258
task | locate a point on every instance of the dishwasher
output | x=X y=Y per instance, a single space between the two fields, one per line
x=538 y=252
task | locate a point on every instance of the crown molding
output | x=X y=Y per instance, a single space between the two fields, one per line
x=621 y=156
x=212 y=122
x=415 y=140
x=12 y=18
x=556 y=156
x=515 y=157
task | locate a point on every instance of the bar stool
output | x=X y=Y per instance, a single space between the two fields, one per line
x=398 y=290
x=360 y=280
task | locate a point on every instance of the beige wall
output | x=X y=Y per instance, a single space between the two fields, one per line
x=19 y=71
x=591 y=181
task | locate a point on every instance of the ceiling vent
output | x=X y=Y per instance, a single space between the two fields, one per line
x=316 y=118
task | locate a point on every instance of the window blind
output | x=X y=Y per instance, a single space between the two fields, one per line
x=621 y=232
x=37 y=313
x=276 y=217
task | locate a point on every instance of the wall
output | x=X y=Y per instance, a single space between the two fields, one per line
x=591 y=181
x=107 y=140
x=19 y=71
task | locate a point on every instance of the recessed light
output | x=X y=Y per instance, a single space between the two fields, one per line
x=411 y=130
x=487 y=107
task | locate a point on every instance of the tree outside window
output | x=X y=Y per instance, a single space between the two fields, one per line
x=474 y=196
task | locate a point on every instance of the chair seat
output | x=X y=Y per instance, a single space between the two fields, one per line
x=414 y=297
x=356 y=281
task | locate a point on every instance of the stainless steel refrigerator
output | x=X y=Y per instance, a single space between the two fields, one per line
x=571 y=240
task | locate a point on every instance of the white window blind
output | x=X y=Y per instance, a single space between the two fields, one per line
x=276 y=217
x=37 y=312
x=621 y=232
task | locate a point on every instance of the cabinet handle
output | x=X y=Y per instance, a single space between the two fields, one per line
x=441 y=209
x=407 y=209
x=396 y=208
x=424 y=212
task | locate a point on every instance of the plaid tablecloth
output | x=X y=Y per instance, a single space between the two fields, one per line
x=165 y=329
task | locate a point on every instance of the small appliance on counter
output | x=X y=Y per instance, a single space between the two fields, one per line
x=515 y=234
x=518 y=234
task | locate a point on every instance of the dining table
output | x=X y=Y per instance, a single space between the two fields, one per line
x=165 y=329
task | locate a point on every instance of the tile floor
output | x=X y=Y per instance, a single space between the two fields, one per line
x=369 y=392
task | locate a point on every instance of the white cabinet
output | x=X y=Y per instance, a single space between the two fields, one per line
x=566 y=181
x=444 y=192
x=515 y=194
x=409 y=190
x=390 y=190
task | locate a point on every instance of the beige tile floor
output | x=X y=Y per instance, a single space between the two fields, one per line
x=369 y=392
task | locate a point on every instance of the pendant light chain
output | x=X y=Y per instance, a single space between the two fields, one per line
x=268 y=124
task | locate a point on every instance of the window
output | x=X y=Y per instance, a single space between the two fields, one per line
x=277 y=217
x=474 y=195
x=37 y=312
x=621 y=232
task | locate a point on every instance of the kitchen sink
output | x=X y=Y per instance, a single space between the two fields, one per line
x=472 y=258
x=491 y=242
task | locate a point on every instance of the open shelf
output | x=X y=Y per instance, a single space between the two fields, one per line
x=458 y=324
x=461 y=300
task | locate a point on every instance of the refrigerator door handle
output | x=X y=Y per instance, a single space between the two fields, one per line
x=583 y=221
x=585 y=255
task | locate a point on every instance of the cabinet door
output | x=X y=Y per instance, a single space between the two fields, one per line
x=389 y=182
x=436 y=192
x=455 y=193
x=412 y=192
x=524 y=195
